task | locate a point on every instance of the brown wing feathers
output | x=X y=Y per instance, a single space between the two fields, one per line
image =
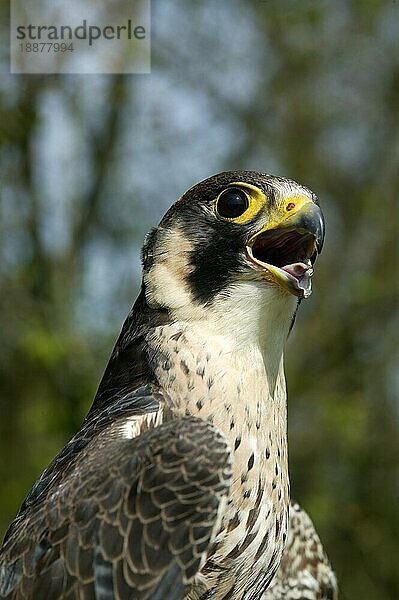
x=131 y=519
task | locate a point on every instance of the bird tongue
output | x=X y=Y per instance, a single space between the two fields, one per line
x=302 y=272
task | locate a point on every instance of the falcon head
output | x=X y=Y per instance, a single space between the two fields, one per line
x=239 y=236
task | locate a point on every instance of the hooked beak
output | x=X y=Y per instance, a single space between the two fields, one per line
x=286 y=252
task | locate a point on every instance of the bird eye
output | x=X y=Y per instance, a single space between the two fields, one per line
x=232 y=203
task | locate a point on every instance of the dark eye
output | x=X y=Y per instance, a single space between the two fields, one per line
x=232 y=203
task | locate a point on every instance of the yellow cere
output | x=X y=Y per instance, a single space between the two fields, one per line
x=256 y=201
x=286 y=207
x=293 y=203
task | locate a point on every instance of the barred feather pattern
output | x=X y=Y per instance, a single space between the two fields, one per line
x=305 y=572
x=131 y=520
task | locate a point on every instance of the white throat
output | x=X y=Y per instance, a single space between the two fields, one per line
x=246 y=315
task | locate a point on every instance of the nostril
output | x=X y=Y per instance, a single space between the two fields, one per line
x=290 y=206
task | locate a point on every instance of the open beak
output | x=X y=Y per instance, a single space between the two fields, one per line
x=287 y=252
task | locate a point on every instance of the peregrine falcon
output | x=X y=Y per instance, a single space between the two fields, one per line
x=176 y=485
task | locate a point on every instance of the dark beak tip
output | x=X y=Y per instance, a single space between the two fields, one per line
x=313 y=221
x=320 y=233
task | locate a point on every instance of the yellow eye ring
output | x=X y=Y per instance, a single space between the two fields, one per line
x=239 y=202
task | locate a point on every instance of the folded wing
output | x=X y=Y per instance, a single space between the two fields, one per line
x=131 y=517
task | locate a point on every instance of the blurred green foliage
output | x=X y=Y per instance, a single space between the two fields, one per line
x=308 y=90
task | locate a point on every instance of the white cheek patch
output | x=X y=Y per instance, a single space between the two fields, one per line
x=164 y=288
x=166 y=281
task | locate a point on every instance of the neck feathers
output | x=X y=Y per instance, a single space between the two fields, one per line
x=248 y=319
